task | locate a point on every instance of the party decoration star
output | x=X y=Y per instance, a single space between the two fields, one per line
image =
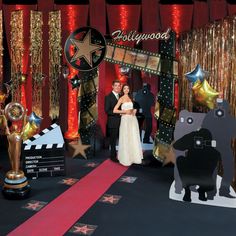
x=34 y=205
x=83 y=229
x=111 y=199
x=85 y=48
x=127 y=179
x=205 y=94
x=169 y=157
x=34 y=118
x=23 y=78
x=68 y=181
x=79 y=148
x=75 y=82
x=91 y=164
x=197 y=74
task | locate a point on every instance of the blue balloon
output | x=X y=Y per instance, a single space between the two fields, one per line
x=197 y=74
x=34 y=118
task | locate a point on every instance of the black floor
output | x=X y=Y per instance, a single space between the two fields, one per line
x=143 y=210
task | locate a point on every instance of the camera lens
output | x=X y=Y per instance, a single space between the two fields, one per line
x=189 y=120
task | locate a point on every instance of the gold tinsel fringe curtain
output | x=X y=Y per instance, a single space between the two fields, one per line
x=1 y=47
x=214 y=48
x=17 y=52
x=54 y=61
x=36 y=45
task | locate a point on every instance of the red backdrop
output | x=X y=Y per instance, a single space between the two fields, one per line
x=149 y=16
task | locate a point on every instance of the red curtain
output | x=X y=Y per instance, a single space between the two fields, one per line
x=178 y=17
x=200 y=14
x=218 y=9
x=231 y=9
x=155 y=17
x=73 y=17
x=98 y=21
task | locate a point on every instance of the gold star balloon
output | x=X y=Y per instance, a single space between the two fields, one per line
x=205 y=94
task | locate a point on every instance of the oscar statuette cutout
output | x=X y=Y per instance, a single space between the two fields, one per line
x=15 y=184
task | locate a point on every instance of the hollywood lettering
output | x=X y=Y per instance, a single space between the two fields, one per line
x=120 y=35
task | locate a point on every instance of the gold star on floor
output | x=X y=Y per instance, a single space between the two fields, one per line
x=78 y=148
x=85 y=48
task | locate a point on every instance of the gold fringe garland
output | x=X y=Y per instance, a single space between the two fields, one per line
x=214 y=48
x=17 y=50
x=36 y=43
x=54 y=61
x=1 y=48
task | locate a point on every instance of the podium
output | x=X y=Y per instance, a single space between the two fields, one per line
x=43 y=154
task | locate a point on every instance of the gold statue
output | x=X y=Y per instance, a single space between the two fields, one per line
x=14 y=152
x=15 y=184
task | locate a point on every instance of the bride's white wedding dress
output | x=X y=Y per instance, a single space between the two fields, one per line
x=130 y=149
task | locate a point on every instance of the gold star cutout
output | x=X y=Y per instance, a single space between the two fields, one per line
x=78 y=148
x=85 y=48
x=169 y=157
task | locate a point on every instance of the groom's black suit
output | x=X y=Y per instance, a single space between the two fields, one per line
x=113 y=122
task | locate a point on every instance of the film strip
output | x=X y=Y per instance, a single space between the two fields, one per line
x=141 y=60
x=89 y=85
x=87 y=98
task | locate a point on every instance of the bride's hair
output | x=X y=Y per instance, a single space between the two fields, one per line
x=129 y=94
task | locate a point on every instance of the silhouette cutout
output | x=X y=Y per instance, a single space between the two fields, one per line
x=146 y=99
x=222 y=126
x=188 y=122
x=198 y=166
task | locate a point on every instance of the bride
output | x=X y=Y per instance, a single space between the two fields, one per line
x=130 y=149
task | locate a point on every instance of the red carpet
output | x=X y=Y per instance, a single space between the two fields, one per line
x=59 y=215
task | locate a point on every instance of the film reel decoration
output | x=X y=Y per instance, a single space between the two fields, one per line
x=14 y=111
x=85 y=49
x=139 y=59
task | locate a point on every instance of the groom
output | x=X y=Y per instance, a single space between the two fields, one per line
x=113 y=120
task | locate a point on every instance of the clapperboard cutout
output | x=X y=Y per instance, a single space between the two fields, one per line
x=44 y=153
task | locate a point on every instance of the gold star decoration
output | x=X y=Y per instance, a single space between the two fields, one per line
x=69 y=181
x=83 y=229
x=169 y=157
x=85 y=48
x=205 y=94
x=165 y=153
x=78 y=148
